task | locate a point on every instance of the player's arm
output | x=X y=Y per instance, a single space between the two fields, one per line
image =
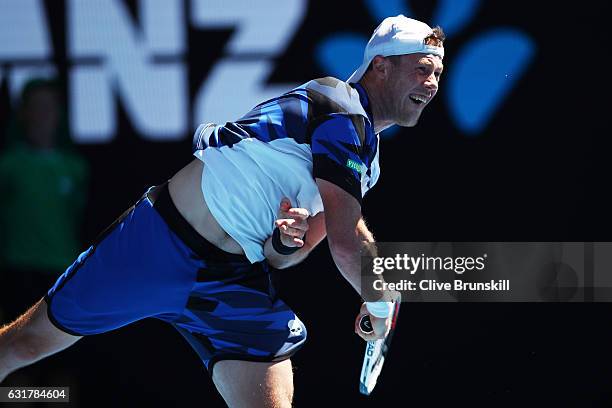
x=349 y=238
x=296 y=229
x=30 y=338
x=342 y=149
x=347 y=234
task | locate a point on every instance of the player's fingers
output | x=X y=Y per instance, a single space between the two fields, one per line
x=285 y=204
x=379 y=325
x=366 y=336
x=300 y=213
x=298 y=242
x=357 y=327
x=292 y=232
x=301 y=225
x=284 y=223
x=283 y=207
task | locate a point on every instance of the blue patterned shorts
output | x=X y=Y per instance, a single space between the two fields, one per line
x=152 y=263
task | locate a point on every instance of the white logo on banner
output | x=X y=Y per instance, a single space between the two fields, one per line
x=143 y=65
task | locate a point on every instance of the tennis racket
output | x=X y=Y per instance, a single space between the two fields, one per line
x=376 y=351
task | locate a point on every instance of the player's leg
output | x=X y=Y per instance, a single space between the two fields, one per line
x=232 y=317
x=30 y=338
x=124 y=277
x=254 y=384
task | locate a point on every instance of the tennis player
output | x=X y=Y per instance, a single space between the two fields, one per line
x=196 y=251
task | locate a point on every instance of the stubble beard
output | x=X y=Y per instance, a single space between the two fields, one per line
x=409 y=119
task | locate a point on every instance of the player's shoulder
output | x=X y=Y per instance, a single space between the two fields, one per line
x=335 y=95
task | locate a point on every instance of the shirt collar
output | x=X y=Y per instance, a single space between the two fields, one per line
x=365 y=101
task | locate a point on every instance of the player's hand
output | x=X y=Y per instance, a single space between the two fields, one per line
x=381 y=326
x=292 y=223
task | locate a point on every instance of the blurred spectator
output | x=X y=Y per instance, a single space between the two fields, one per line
x=42 y=185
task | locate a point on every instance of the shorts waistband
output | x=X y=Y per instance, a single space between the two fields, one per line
x=179 y=225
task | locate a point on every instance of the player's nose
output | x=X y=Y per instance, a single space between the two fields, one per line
x=431 y=83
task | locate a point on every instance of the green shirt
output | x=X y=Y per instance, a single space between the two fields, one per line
x=42 y=195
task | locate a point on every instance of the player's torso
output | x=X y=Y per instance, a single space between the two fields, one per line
x=187 y=197
x=250 y=164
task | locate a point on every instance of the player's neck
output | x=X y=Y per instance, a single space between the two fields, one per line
x=377 y=105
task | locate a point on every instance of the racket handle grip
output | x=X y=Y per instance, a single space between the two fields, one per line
x=365 y=324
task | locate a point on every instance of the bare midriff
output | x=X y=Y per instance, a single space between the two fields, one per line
x=186 y=193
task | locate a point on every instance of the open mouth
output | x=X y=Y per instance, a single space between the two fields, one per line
x=418 y=99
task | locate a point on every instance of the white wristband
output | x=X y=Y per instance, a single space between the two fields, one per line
x=379 y=309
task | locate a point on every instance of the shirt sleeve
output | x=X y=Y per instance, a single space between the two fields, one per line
x=337 y=152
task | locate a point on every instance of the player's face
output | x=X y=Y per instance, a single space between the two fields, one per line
x=413 y=83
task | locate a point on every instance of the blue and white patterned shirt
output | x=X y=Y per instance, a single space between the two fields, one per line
x=322 y=129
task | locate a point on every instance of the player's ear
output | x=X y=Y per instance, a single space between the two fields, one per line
x=380 y=66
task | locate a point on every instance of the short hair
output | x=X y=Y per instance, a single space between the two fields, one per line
x=436 y=38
